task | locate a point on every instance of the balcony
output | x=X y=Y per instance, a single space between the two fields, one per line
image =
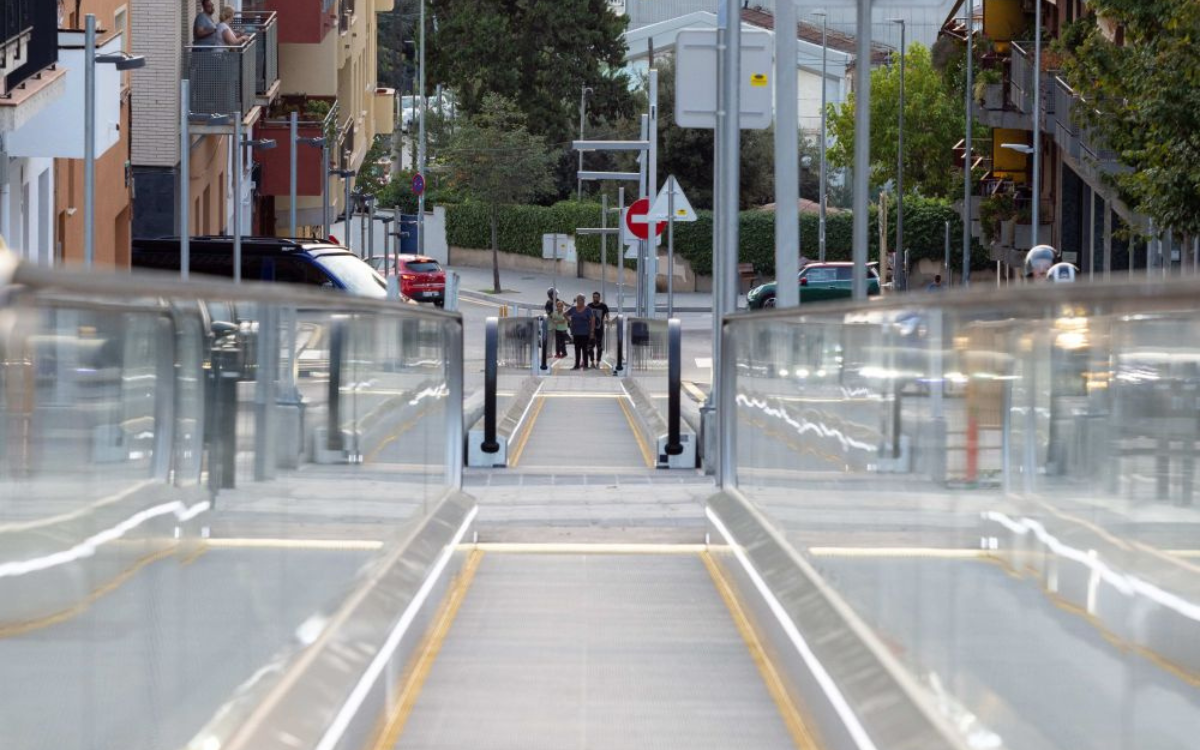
x=300 y=21
x=385 y=110
x=30 y=78
x=1021 y=81
x=317 y=117
x=346 y=15
x=224 y=79
x=264 y=27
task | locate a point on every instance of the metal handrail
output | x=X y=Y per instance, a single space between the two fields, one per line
x=674 y=446
x=264 y=27
x=490 y=356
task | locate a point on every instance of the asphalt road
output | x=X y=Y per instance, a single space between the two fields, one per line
x=146 y=666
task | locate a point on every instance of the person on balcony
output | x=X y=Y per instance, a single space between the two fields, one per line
x=204 y=29
x=225 y=32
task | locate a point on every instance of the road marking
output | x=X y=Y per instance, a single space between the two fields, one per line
x=337 y=545
x=647 y=454
x=514 y=456
x=801 y=736
x=479 y=302
x=568 y=394
x=931 y=552
x=584 y=548
x=429 y=649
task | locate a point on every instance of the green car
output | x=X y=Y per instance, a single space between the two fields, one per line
x=818 y=282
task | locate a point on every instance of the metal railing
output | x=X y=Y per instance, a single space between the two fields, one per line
x=264 y=27
x=1066 y=128
x=30 y=43
x=223 y=78
x=16 y=26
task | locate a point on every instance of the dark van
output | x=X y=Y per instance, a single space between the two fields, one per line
x=288 y=261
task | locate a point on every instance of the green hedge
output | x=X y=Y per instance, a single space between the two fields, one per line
x=521 y=229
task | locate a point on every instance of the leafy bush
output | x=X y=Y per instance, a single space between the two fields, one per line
x=522 y=227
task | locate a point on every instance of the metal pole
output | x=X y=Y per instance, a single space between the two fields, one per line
x=643 y=192
x=731 y=156
x=346 y=208
x=671 y=243
x=1091 y=235
x=862 y=150
x=325 y=186
x=901 y=277
x=89 y=143
x=582 y=115
x=620 y=253
x=946 y=260
x=651 y=192
x=1108 y=249
x=370 y=222
x=421 y=146
x=1037 y=120
x=292 y=174
x=967 y=146
x=787 y=155
x=185 y=147
x=824 y=126
x=237 y=199
x=604 y=247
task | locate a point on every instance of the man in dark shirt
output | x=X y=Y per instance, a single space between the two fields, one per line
x=204 y=28
x=600 y=310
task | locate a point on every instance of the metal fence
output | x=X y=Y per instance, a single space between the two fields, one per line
x=1066 y=129
x=223 y=79
x=264 y=27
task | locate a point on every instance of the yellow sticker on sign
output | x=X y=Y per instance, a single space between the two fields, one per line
x=758 y=79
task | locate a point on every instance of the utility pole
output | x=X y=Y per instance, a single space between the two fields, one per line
x=421 y=147
x=1037 y=121
x=787 y=177
x=968 y=144
x=901 y=277
x=862 y=150
x=824 y=124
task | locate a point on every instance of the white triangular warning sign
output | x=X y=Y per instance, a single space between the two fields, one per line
x=661 y=210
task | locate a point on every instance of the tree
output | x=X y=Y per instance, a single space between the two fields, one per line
x=538 y=54
x=494 y=159
x=934 y=120
x=1143 y=100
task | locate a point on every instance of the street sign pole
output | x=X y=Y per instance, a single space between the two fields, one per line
x=671 y=248
x=651 y=190
x=862 y=151
x=643 y=192
x=604 y=247
x=787 y=157
x=620 y=254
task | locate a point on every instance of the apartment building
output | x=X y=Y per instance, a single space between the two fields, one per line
x=113 y=201
x=31 y=82
x=1080 y=214
x=328 y=62
x=229 y=86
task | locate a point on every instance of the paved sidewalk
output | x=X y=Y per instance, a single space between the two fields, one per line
x=528 y=289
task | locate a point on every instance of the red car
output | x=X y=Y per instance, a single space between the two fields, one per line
x=421 y=278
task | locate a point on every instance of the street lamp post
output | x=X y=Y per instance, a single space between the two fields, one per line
x=317 y=142
x=901 y=272
x=1037 y=120
x=824 y=125
x=238 y=167
x=583 y=97
x=967 y=146
x=421 y=147
x=122 y=62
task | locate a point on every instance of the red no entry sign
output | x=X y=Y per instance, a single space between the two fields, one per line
x=637 y=222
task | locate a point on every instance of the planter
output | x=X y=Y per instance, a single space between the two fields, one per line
x=993 y=96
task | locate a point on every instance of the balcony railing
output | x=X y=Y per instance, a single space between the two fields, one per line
x=223 y=79
x=1066 y=129
x=276 y=166
x=30 y=44
x=264 y=27
x=346 y=15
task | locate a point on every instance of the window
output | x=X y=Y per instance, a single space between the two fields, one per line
x=821 y=275
x=121 y=26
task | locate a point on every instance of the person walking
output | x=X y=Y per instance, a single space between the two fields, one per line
x=600 y=310
x=558 y=322
x=583 y=325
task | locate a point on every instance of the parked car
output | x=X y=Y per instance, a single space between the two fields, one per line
x=818 y=282
x=267 y=259
x=421 y=278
